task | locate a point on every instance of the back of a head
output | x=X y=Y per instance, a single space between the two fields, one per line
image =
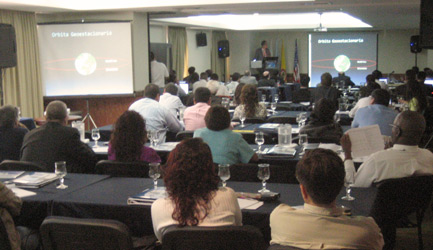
x=421 y=76
x=214 y=76
x=415 y=69
x=326 y=79
x=203 y=76
x=236 y=76
x=247 y=73
x=191 y=70
x=202 y=94
x=238 y=92
x=412 y=125
x=8 y=116
x=410 y=75
x=172 y=77
x=371 y=86
x=209 y=72
x=151 y=91
x=194 y=78
x=305 y=80
x=377 y=74
x=321 y=172
x=381 y=97
x=324 y=110
x=56 y=111
x=370 y=78
x=263 y=43
x=152 y=56
x=171 y=89
x=217 y=118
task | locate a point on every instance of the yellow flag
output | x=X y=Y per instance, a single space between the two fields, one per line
x=283 y=58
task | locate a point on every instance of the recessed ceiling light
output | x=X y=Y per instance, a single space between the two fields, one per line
x=270 y=21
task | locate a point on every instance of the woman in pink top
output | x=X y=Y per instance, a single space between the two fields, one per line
x=128 y=138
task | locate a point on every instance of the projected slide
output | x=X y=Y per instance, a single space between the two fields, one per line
x=352 y=53
x=86 y=59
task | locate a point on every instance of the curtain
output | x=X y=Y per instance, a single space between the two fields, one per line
x=22 y=85
x=217 y=64
x=177 y=39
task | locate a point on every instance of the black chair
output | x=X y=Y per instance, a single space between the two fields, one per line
x=282 y=119
x=184 y=135
x=63 y=233
x=396 y=199
x=20 y=166
x=213 y=238
x=138 y=169
x=4 y=239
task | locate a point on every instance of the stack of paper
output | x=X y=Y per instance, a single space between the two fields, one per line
x=366 y=140
x=147 y=197
x=35 y=179
x=249 y=204
x=10 y=174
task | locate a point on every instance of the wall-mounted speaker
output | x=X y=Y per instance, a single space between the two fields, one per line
x=8 y=52
x=426 y=24
x=223 y=49
x=201 y=39
x=415 y=44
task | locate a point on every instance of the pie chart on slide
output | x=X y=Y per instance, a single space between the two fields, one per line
x=342 y=63
x=85 y=64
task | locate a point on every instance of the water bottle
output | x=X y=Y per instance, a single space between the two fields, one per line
x=284 y=135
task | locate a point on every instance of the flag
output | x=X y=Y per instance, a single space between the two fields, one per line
x=283 y=58
x=296 y=75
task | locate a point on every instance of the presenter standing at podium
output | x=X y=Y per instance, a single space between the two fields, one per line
x=262 y=52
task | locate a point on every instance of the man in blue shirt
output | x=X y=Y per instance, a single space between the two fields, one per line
x=376 y=113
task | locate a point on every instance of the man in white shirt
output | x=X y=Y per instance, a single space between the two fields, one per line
x=201 y=83
x=247 y=78
x=320 y=224
x=215 y=86
x=404 y=159
x=170 y=100
x=365 y=101
x=158 y=72
x=157 y=117
x=234 y=83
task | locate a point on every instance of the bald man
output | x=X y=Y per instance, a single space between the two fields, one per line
x=404 y=159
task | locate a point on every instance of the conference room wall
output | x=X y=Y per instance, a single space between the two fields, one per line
x=393 y=49
x=199 y=57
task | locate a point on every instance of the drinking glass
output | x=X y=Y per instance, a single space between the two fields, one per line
x=242 y=118
x=155 y=137
x=348 y=182
x=304 y=117
x=150 y=137
x=263 y=97
x=60 y=170
x=95 y=136
x=260 y=140
x=154 y=173
x=263 y=174
x=299 y=120
x=303 y=139
x=273 y=107
x=276 y=98
x=224 y=173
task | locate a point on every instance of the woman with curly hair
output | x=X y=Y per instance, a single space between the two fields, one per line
x=194 y=198
x=128 y=138
x=250 y=105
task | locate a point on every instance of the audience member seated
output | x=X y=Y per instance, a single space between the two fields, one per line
x=342 y=81
x=11 y=135
x=193 y=117
x=10 y=205
x=201 y=83
x=404 y=159
x=320 y=224
x=227 y=147
x=234 y=83
x=321 y=123
x=128 y=139
x=376 y=113
x=266 y=80
x=215 y=86
x=238 y=91
x=401 y=90
x=303 y=93
x=365 y=94
x=415 y=96
x=170 y=100
x=377 y=75
x=247 y=78
x=194 y=198
x=325 y=90
x=250 y=106
x=157 y=117
x=55 y=141
x=191 y=71
x=172 y=78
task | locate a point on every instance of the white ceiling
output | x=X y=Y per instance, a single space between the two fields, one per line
x=381 y=14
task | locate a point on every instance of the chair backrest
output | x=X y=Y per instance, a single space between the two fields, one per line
x=21 y=166
x=64 y=233
x=213 y=238
x=399 y=197
x=4 y=239
x=138 y=169
x=184 y=135
x=282 y=119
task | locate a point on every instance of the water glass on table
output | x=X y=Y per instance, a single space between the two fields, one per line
x=273 y=107
x=303 y=140
x=260 y=140
x=154 y=173
x=60 y=170
x=263 y=174
x=263 y=97
x=242 y=118
x=224 y=173
x=95 y=136
x=276 y=98
x=348 y=182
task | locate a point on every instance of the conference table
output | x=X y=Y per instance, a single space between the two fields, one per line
x=102 y=197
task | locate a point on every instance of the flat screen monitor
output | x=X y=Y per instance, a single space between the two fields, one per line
x=428 y=81
x=184 y=86
x=385 y=80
